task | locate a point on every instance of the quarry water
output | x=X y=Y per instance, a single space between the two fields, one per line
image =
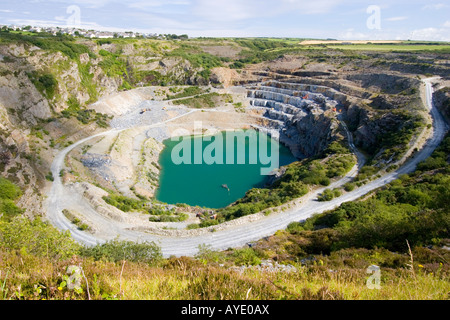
x=210 y=171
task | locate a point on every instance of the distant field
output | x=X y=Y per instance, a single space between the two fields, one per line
x=313 y=42
x=393 y=47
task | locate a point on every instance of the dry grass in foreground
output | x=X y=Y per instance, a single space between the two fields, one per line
x=24 y=276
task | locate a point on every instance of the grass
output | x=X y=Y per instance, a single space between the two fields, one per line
x=208 y=100
x=25 y=276
x=83 y=115
x=72 y=218
x=437 y=48
x=187 y=92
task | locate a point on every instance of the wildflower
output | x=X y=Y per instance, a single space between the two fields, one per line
x=420 y=266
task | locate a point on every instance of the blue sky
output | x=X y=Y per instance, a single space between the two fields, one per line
x=340 y=19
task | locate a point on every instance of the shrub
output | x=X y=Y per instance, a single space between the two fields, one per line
x=37 y=237
x=9 y=190
x=46 y=84
x=124 y=203
x=8 y=209
x=246 y=256
x=207 y=254
x=329 y=194
x=49 y=176
x=115 y=250
x=349 y=186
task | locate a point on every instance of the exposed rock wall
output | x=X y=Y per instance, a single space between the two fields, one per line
x=306 y=111
x=441 y=99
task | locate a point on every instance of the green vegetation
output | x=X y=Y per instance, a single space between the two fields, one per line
x=258 y=50
x=160 y=214
x=9 y=193
x=124 y=203
x=328 y=195
x=87 y=81
x=437 y=47
x=412 y=208
x=395 y=142
x=46 y=83
x=169 y=217
x=70 y=215
x=37 y=238
x=49 y=176
x=115 y=251
x=83 y=115
x=60 y=43
x=187 y=92
x=238 y=107
x=208 y=100
x=198 y=58
x=157 y=212
x=117 y=67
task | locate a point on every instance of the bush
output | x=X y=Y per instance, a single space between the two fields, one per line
x=124 y=203
x=246 y=256
x=188 y=91
x=336 y=148
x=207 y=254
x=46 y=84
x=49 y=176
x=329 y=194
x=169 y=218
x=349 y=186
x=115 y=250
x=9 y=190
x=8 y=209
x=37 y=237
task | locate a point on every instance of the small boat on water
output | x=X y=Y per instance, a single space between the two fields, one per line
x=225 y=186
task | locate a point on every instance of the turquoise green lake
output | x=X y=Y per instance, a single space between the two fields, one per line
x=212 y=175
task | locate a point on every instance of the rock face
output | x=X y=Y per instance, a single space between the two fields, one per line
x=441 y=99
x=388 y=83
x=305 y=113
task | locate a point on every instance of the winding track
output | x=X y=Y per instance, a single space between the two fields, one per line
x=60 y=197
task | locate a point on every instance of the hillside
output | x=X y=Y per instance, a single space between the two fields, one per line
x=337 y=109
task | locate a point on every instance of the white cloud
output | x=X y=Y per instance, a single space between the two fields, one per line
x=435 y=6
x=431 y=34
x=310 y=7
x=397 y=18
x=235 y=10
x=446 y=24
x=157 y=3
x=225 y=10
x=351 y=34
